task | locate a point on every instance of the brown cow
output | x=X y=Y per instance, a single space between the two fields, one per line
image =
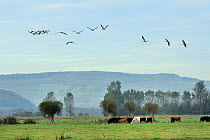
x=173 y=119
x=122 y=120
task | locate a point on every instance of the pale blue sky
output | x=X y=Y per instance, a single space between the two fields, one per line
x=119 y=48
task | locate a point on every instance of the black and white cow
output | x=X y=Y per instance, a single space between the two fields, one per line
x=149 y=119
x=114 y=120
x=129 y=120
x=138 y=119
x=205 y=119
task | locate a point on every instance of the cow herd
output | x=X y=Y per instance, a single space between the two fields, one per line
x=130 y=120
x=149 y=119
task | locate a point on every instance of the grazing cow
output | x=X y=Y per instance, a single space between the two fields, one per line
x=173 y=119
x=138 y=119
x=149 y=119
x=124 y=120
x=205 y=118
x=129 y=120
x=143 y=119
x=114 y=120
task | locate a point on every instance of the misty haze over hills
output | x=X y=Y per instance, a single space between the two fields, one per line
x=89 y=87
x=10 y=99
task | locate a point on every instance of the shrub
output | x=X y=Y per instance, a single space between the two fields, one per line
x=10 y=120
x=80 y=114
x=29 y=121
x=62 y=137
x=101 y=121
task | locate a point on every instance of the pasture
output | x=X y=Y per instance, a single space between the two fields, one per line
x=97 y=128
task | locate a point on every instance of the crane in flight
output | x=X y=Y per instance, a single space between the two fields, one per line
x=104 y=28
x=92 y=29
x=62 y=33
x=183 y=42
x=78 y=32
x=31 y=32
x=70 y=42
x=166 y=40
x=144 y=39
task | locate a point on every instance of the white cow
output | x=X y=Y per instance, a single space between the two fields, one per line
x=136 y=120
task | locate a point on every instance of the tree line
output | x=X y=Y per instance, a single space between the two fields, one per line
x=137 y=102
x=168 y=102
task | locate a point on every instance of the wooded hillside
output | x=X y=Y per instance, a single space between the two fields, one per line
x=89 y=87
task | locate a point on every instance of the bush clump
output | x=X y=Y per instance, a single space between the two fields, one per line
x=101 y=121
x=1 y=121
x=10 y=120
x=29 y=121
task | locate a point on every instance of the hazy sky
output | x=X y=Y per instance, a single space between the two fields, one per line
x=119 y=48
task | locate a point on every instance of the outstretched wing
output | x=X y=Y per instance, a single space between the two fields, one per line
x=143 y=38
x=95 y=28
x=106 y=26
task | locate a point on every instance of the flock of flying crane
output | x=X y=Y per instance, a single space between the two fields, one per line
x=166 y=40
x=39 y=32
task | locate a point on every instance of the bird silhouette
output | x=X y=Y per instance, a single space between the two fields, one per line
x=62 y=33
x=144 y=39
x=166 y=40
x=31 y=31
x=45 y=31
x=104 y=28
x=34 y=33
x=78 y=32
x=185 y=45
x=70 y=42
x=39 y=32
x=92 y=29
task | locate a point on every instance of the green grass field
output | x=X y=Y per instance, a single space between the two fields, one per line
x=97 y=128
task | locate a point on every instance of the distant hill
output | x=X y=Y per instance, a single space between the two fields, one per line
x=89 y=87
x=9 y=99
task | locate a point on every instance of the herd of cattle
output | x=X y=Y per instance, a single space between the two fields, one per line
x=147 y=120
x=130 y=120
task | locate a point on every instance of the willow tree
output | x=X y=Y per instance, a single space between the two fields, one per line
x=130 y=106
x=50 y=108
x=109 y=107
x=151 y=108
